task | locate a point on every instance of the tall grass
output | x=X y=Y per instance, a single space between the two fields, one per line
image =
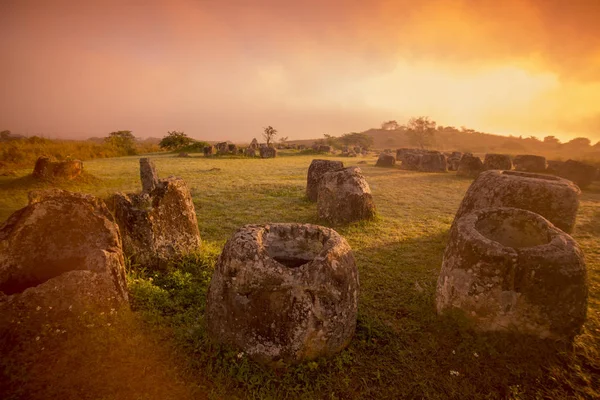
x=23 y=153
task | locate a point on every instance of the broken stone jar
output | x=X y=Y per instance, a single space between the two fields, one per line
x=511 y=269
x=284 y=293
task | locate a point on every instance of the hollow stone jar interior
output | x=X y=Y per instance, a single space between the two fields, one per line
x=293 y=248
x=514 y=230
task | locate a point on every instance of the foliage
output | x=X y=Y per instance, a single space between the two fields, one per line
x=390 y=125
x=421 y=131
x=357 y=139
x=122 y=140
x=283 y=139
x=175 y=140
x=5 y=135
x=24 y=152
x=269 y=133
x=551 y=140
x=197 y=146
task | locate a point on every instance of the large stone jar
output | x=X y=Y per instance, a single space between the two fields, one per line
x=344 y=196
x=284 y=293
x=552 y=197
x=511 y=269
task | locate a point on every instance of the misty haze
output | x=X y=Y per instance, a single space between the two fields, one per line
x=310 y=200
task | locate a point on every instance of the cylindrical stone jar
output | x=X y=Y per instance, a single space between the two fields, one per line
x=554 y=198
x=284 y=293
x=511 y=269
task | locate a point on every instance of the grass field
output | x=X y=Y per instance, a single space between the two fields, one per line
x=401 y=348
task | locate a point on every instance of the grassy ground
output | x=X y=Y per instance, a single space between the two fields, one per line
x=401 y=349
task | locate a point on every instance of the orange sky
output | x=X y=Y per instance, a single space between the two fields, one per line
x=224 y=69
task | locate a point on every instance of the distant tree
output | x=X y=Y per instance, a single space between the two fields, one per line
x=357 y=139
x=580 y=142
x=331 y=140
x=123 y=140
x=175 y=140
x=283 y=139
x=390 y=125
x=551 y=140
x=268 y=133
x=5 y=135
x=421 y=131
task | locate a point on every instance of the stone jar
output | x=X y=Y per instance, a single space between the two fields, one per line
x=554 y=198
x=511 y=269
x=284 y=293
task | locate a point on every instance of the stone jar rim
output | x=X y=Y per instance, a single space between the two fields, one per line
x=326 y=236
x=466 y=225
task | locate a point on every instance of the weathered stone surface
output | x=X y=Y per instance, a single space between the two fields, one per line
x=268 y=152
x=511 y=269
x=553 y=166
x=232 y=148
x=209 y=150
x=48 y=169
x=344 y=196
x=385 y=160
x=148 y=175
x=254 y=144
x=57 y=232
x=250 y=152
x=61 y=252
x=497 y=161
x=469 y=166
x=315 y=171
x=580 y=173
x=222 y=147
x=432 y=161
x=453 y=160
x=284 y=293
x=530 y=163
x=159 y=226
x=409 y=158
x=554 y=198
x=324 y=149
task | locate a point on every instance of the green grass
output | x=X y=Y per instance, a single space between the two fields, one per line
x=401 y=348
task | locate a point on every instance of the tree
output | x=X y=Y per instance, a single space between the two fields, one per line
x=124 y=140
x=421 y=131
x=283 y=139
x=269 y=133
x=357 y=139
x=580 y=142
x=5 y=135
x=551 y=140
x=175 y=140
x=390 y=125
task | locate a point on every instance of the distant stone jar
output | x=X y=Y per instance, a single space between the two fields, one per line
x=530 y=163
x=268 y=152
x=284 y=293
x=315 y=171
x=385 y=160
x=344 y=196
x=497 y=161
x=469 y=166
x=433 y=161
x=48 y=169
x=554 y=198
x=581 y=173
x=511 y=269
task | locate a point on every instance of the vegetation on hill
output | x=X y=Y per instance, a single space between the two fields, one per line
x=21 y=152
